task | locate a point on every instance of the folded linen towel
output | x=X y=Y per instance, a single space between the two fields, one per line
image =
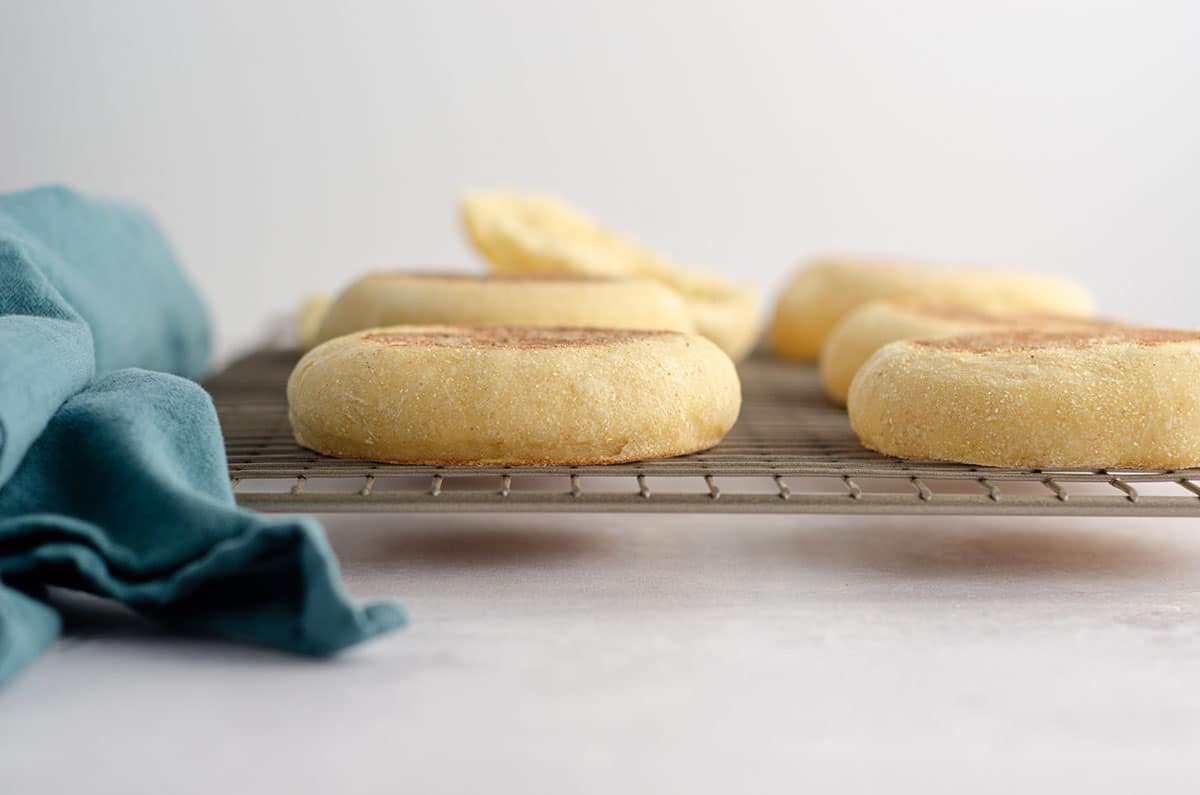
x=86 y=287
x=112 y=477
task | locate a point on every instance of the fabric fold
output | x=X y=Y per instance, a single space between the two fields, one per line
x=46 y=348
x=113 y=478
x=109 y=264
x=106 y=502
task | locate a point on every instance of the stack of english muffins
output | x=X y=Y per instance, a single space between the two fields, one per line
x=581 y=348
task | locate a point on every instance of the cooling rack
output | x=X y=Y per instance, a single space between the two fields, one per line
x=790 y=452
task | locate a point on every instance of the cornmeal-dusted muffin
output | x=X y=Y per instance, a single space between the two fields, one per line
x=824 y=292
x=1120 y=397
x=873 y=325
x=414 y=299
x=512 y=395
x=535 y=233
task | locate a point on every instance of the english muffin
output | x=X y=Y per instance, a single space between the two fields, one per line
x=535 y=233
x=1120 y=397
x=415 y=299
x=827 y=290
x=308 y=319
x=873 y=325
x=512 y=395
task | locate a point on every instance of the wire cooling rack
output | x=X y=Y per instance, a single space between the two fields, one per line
x=790 y=452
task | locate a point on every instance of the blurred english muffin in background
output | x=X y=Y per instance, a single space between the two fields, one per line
x=308 y=319
x=825 y=291
x=512 y=396
x=1118 y=397
x=867 y=329
x=398 y=298
x=535 y=233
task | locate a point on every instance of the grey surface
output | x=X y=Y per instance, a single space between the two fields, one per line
x=665 y=654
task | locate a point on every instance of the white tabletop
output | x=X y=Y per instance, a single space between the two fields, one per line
x=664 y=654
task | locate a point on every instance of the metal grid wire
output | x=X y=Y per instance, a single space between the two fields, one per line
x=790 y=452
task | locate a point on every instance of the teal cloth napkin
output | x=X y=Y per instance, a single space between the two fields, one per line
x=86 y=287
x=112 y=468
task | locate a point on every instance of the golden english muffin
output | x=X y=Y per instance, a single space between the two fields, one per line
x=1120 y=397
x=873 y=325
x=827 y=290
x=534 y=233
x=414 y=299
x=308 y=319
x=512 y=395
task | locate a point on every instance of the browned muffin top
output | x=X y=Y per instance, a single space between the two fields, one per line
x=1077 y=339
x=519 y=337
x=485 y=278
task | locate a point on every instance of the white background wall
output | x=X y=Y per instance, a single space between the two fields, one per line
x=287 y=146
